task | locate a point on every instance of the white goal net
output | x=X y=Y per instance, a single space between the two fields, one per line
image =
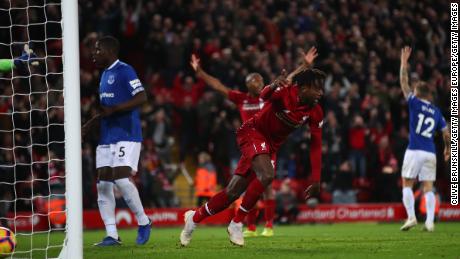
x=33 y=134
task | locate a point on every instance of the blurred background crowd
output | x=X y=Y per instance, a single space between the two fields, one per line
x=188 y=127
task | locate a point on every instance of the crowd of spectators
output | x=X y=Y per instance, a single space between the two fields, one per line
x=365 y=132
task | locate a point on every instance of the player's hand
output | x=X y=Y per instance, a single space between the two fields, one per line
x=87 y=126
x=405 y=54
x=195 y=63
x=312 y=190
x=280 y=81
x=84 y=130
x=310 y=56
x=446 y=154
x=107 y=110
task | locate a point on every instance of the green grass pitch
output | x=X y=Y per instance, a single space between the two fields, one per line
x=353 y=240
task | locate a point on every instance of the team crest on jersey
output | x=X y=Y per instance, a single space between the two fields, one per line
x=111 y=79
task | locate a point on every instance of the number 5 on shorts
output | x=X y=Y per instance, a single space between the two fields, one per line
x=121 y=152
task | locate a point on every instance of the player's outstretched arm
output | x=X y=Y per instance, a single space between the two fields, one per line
x=6 y=65
x=138 y=99
x=446 y=138
x=28 y=55
x=210 y=80
x=403 y=73
x=307 y=61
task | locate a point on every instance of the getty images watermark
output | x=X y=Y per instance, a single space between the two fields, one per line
x=454 y=103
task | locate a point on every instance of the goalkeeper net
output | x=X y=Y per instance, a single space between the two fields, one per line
x=32 y=130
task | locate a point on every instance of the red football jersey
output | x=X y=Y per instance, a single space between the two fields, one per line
x=282 y=114
x=247 y=105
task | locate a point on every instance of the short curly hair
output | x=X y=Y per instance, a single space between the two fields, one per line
x=310 y=77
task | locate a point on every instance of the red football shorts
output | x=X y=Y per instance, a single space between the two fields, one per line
x=251 y=143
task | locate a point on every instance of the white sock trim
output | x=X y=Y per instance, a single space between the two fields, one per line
x=207 y=209
x=243 y=209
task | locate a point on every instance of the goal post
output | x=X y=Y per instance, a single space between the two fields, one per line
x=73 y=246
x=40 y=128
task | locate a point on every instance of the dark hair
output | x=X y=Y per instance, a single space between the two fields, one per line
x=422 y=88
x=110 y=44
x=310 y=77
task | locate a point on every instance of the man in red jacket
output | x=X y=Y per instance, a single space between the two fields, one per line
x=288 y=106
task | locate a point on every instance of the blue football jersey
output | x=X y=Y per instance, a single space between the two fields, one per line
x=119 y=83
x=424 y=120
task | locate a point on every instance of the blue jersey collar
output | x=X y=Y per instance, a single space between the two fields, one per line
x=425 y=101
x=113 y=64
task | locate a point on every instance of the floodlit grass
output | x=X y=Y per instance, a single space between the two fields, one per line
x=360 y=240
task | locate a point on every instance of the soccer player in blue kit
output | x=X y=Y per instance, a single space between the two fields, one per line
x=117 y=154
x=420 y=156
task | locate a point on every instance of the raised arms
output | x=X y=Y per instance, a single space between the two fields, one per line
x=307 y=61
x=403 y=73
x=210 y=80
x=284 y=79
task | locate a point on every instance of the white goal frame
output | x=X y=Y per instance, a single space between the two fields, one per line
x=73 y=244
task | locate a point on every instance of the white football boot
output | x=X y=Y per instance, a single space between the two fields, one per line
x=189 y=226
x=410 y=223
x=235 y=233
x=429 y=226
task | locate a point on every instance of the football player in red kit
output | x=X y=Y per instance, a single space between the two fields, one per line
x=249 y=104
x=288 y=106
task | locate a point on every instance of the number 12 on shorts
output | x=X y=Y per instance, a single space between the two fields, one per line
x=422 y=119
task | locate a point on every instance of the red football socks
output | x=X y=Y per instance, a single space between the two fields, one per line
x=216 y=204
x=253 y=193
x=269 y=212
x=251 y=219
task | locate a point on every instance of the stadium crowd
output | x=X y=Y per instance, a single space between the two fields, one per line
x=365 y=130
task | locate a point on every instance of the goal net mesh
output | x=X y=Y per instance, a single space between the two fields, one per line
x=32 y=173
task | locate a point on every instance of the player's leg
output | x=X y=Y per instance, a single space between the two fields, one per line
x=130 y=193
x=269 y=211
x=427 y=177
x=408 y=196
x=263 y=168
x=223 y=199
x=430 y=203
x=216 y=204
x=106 y=204
x=105 y=196
x=410 y=171
x=251 y=221
x=125 y=163
x=409 y=201
x=269 y=205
